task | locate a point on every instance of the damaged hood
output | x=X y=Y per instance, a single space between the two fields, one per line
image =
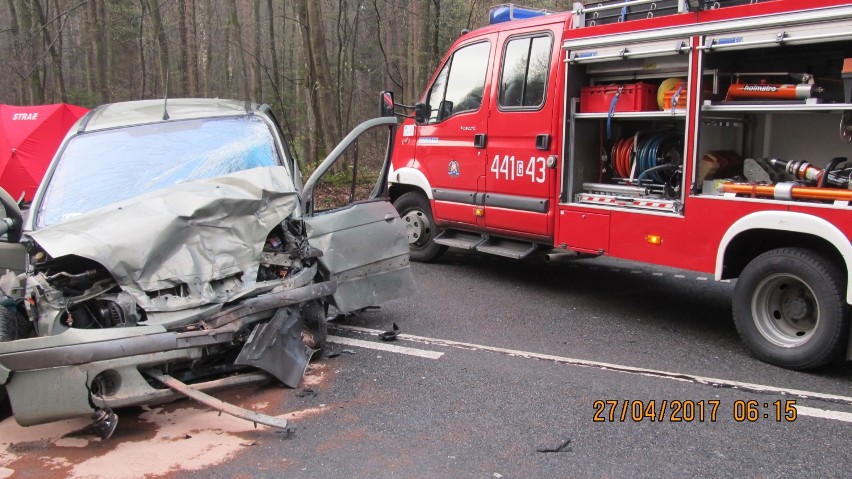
x=191 y=233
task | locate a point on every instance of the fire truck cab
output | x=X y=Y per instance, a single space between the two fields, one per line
x=711 y=136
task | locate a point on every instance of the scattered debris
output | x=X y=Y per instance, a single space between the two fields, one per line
x=390 y=335
x=338 y=353
x=210 y=401
x=564 y=447
x=287 y=432
x=307 y=392
x=105 y=422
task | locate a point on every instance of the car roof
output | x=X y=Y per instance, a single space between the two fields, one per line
x=151 y=111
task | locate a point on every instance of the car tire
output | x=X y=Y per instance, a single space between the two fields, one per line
x=789 y=308
x=12 y=325
x=416 y=214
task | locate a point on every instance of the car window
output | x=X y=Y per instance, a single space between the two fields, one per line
x=100 y=168
x=353 y=178
x=523 y=79
x=461 y=82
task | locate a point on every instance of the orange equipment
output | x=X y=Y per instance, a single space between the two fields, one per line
x=772 y=91
x=787 y=191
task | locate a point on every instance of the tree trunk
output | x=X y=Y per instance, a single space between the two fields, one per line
x=236 y=33
x=352 y=79
x=323 y=95
x=311 y=145
x=386 y=46
x=342 y=36
x=192 y=53
x=257 y=64
x=412 y=55
x=36 y=88
x=436 y=46
x=56 y=59
x=17 y=48
x=162 y=45
x=183 y=58
x=143 y=68
x=208 y=51
x=422 y=46
x=104 y=58
x=272 y=42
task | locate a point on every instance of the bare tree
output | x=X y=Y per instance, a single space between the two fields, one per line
x=235 y=34
x=274 y=78
x=257 y=64
x=33 y=49
x=183 y=59
x=320 y=74
x=143 y=67
x=162 y=44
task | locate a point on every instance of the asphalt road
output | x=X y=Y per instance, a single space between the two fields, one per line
x=500 y=371
x=478 y=411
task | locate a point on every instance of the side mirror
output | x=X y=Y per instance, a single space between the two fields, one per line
x=446 y=109
x=386 y=105
x=11 y=223
x=421 y=113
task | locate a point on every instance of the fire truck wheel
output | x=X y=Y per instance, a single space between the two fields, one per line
x=789 y=308
x=416 y=214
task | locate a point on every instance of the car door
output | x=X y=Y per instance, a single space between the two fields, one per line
x=451 y=142
x=364 y=244
x=520 y=180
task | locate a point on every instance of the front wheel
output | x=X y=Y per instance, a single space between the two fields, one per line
x=789 y=309
x=416 y=214
x=13 y=325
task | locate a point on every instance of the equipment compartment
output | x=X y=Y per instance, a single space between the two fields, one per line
x=627 y=153
x=774 y=96
x=760 y=93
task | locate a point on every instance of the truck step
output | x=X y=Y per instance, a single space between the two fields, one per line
x=459 y=239
x=507 y=248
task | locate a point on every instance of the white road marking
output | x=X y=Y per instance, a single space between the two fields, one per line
x=657 y=274
x=421 y=353
x=741 y=386
x=701 y=278
x=823 y=413
x=679 y=276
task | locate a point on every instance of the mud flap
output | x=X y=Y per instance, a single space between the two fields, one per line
x=277 y=348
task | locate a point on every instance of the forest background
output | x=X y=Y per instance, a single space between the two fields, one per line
x=319 y=63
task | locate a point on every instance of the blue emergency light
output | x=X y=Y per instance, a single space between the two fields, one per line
x=508 y=12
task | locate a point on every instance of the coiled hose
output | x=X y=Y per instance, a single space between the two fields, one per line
x=656 y=156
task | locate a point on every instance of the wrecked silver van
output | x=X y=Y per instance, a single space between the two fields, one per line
x=173 y=243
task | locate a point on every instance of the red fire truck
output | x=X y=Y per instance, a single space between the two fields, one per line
x=706 y=135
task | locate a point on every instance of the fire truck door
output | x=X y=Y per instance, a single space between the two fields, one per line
x=450 y=143
x=521 y=135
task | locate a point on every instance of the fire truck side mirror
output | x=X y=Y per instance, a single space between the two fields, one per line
x=446 y=110
x=421 y=113
x=386 y=106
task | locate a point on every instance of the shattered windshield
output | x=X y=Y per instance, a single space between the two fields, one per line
x=100 y=168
